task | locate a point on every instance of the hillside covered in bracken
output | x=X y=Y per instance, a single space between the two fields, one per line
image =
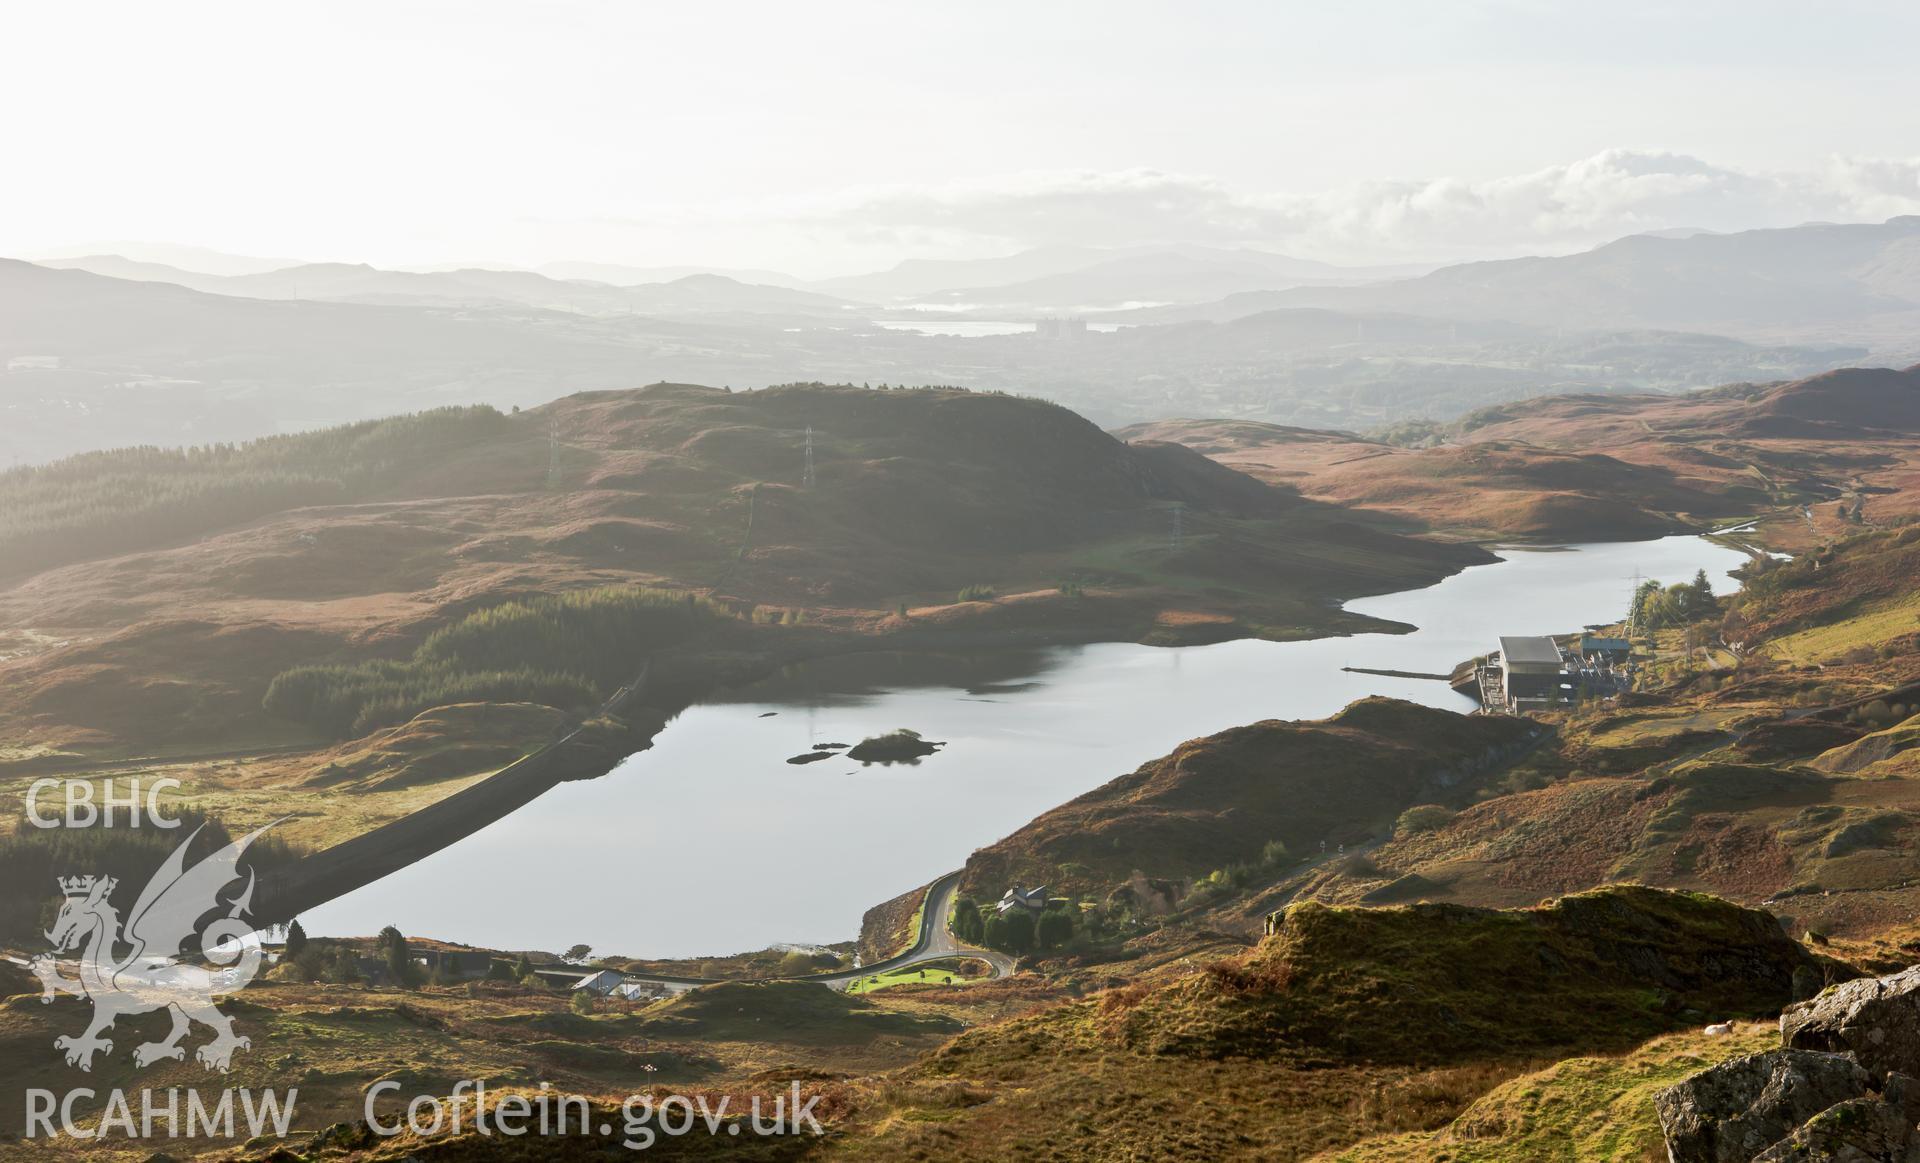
x=358 y=542
x=1612 y=467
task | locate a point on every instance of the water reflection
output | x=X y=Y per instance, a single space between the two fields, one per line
x=851 y=680
x=711 y=842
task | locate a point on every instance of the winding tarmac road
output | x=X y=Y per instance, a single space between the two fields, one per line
x=934 y=943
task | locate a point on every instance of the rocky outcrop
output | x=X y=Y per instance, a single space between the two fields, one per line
x=1409 y=983
x=1876 y=1018
x=1736 y=1110
x=1844 y=1086
x=1859 y=1130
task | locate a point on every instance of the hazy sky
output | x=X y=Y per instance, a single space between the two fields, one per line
x=828 y=138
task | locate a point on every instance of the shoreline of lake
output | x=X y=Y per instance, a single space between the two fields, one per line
x=723 y=845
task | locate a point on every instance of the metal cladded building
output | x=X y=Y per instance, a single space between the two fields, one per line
x=1530 y=671
x=1595 y=648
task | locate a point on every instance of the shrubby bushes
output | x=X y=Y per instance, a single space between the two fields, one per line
x=32 y=858
x=1017 y=931
x=1878 y=715
x=1239 y=874
x=599 y=634
x=1422 y=818
x=349 y=700
x=110 y=502
x=561 y=650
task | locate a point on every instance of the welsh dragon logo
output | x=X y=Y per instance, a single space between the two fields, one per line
x=149 y=976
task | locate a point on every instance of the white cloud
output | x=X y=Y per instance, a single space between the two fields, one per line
x=1559 y=208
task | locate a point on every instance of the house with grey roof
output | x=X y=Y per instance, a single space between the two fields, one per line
x=1032 y=899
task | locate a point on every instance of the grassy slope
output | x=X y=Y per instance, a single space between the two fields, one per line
x=372 y=537
x=940 y=973
x=1222 y=798
x=332 y=1041
x=919 y=493
x=891 y=927
x=1579 y=467
x=1410 y=984
x=1349 y=1023
x=1846 y=433
x=1493 y=489
x=1193 y=1067
x=1718 y=779
x=1136 y=1070
x=1730 y=781
x=1580 y=1110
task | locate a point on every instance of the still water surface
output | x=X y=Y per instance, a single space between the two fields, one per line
x=973 y=328
x=710 y=843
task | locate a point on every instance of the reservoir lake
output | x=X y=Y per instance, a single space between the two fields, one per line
x=710 y=843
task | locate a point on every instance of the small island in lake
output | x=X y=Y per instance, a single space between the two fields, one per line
x=901 y=746
x=820 y=751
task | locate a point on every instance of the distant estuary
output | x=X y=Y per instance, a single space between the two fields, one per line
x=716 y=841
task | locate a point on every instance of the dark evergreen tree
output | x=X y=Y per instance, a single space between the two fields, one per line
x=1054 y=929
x=1019 y=937
x=399 y=958
x=967 y=924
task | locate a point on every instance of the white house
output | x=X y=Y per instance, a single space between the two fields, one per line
x=601 y=984
x=1032 y=899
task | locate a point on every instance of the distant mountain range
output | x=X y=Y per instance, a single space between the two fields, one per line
x=88 y=361
x=694 y=295
x=1048 y=281
x=1070 y=278
x=1848 y=284
x=1851 y=283
x=618 y=275
x=198 y=259
x=1160 y=277
x=118 y=349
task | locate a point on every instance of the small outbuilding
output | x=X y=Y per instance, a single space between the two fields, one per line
x=641 y=991
x=1595 y=649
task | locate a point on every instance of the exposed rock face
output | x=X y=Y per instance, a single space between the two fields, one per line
x=1859 y=1130
x=1877 y=1018
x=1736 y=1110
x=1844 y=1087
